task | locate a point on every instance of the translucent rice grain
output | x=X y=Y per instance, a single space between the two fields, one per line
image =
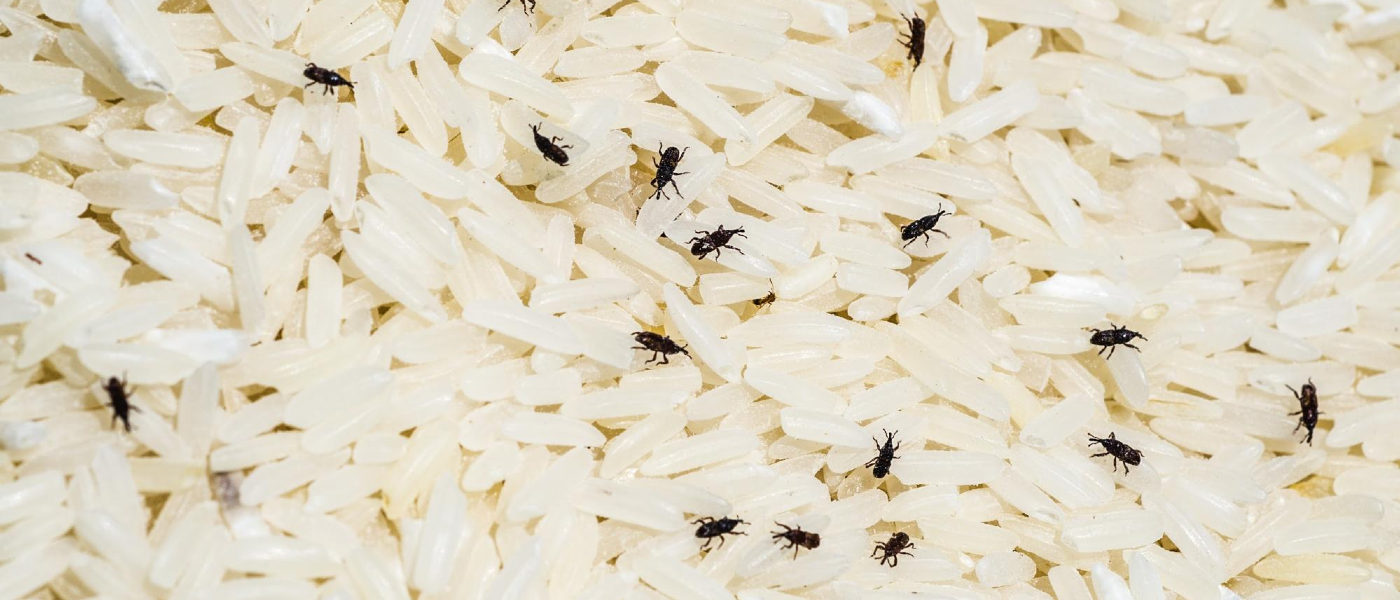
x=712 y=32
x=873 y=113
x=1314 y=189
x=134 y=60
x=1131 y=378
x=37 y=109
x=768 y=122
x=412 y=36
x=960 y=15
x=953 y=467
x=1314 y=568
x=1074 y=481
x=1107 y=584
x=1342 y=534
x=1057 y=423
x=946 y=274
x=965 y=65
x=1049 y=196
x=983 y=117
x=1262 y=224
x=1318 y=317
x=698 y=451
x=1111 y=530
x=429 y=173
x=695 y=98
x=1051 y=14
x=791 y=390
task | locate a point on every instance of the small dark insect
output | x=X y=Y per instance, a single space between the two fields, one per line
x=666 y=170
x=548 y=147
x=711 y=528
x=33 y=258
x=712 y=241
x=659 y=345
x=1307 y=408
x=772 y=295
x=915 y=43
x=797 y=539
x=1118 y=450
x=893 y=548
x=922 y=227
x=120 y=401
x=325 y=77
x=1113 y=337
x=886 y=456
x=526 y=5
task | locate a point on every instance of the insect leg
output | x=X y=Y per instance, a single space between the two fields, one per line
x=1100 y=454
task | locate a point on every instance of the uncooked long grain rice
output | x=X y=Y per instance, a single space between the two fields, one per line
x=382 y=347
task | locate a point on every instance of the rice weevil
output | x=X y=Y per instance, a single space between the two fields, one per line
x=526 y=5
x=712 y=241
x=548 y=146
x=120 y=401
x=891 y=549
x=325 y=77
x=711 y=528
x=766 y=300
x=915 y=43
x=1118 y=450
x=1307 y=409
x=659 y=345
x=797 y=538
x=666 y=170
x=886 y=455
x=922 y=227
x=1113 y=337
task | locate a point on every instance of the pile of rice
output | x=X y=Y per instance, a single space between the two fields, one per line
x=381 y=349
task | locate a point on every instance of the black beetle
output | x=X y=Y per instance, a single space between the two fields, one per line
x=797 y=538
x=711 y=528
x=659 y=345
x=548 y=147
x=915 y=43
x=712 y=241
x=526 y=5
x=922 y=227
x=120 y=401
x=325 y=77
x=1117 y=449
x=892 y=548
x=666 y=170
x=1307 y=409
x=886 y=456
x=1113 y=337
